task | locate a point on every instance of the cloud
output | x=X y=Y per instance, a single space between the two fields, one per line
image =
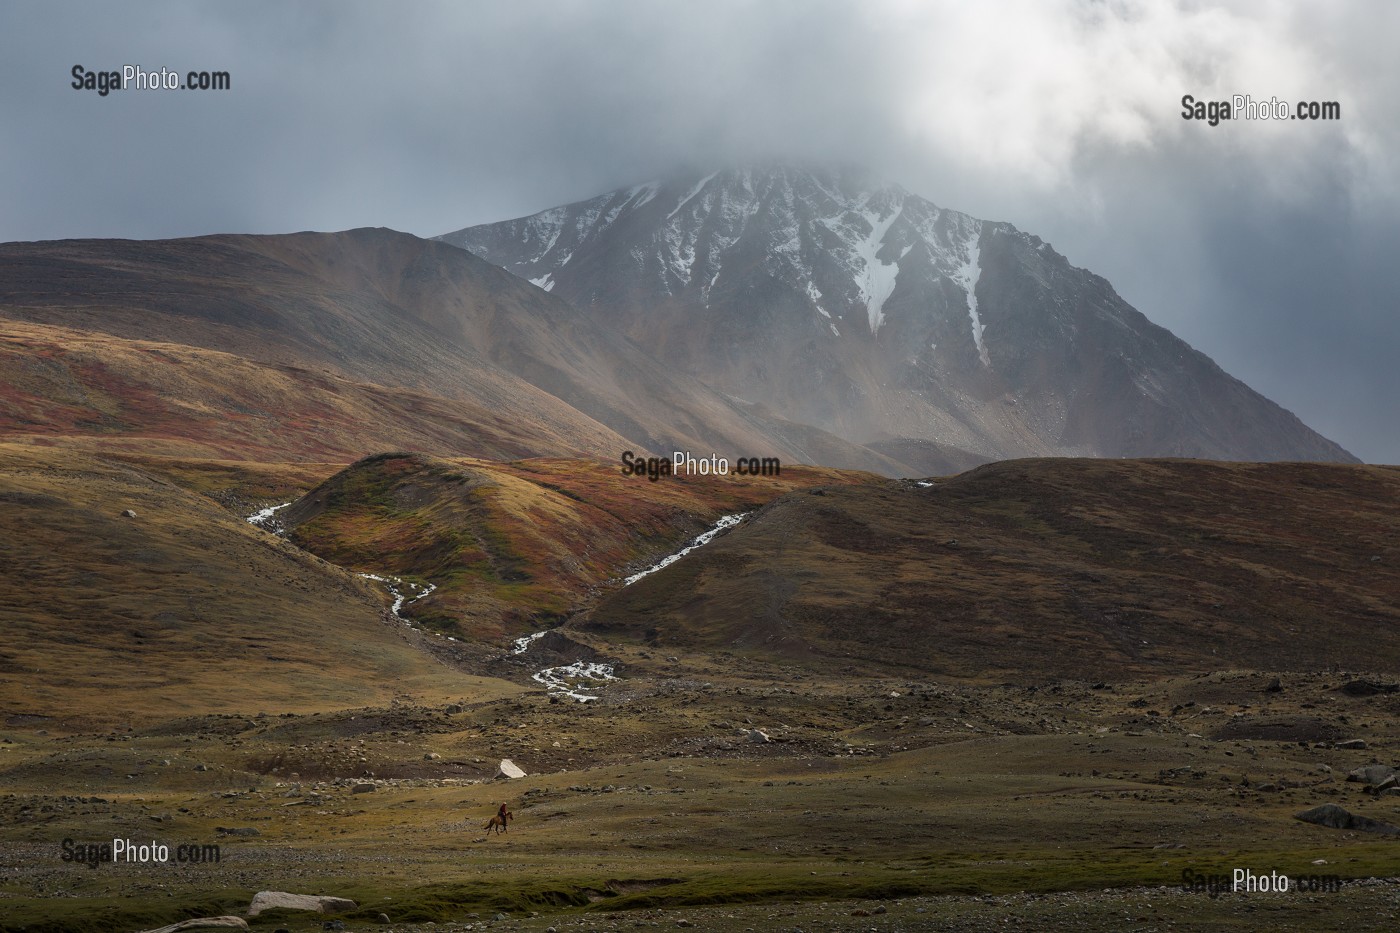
x=1061 y=116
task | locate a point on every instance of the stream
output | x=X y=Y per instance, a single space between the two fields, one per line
x=582 y=679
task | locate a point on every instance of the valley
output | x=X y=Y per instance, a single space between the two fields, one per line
x=320 y=547
x=744 y=769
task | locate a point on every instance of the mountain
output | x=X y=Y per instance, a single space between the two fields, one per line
x=405 y=341
x=868 y=311
x=1044 y=569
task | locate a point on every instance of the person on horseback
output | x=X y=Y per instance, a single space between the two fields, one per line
x=500 y=823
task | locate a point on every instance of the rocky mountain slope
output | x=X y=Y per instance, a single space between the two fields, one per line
x=868 y=311
x=376 y=307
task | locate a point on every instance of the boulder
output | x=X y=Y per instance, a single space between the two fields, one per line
x=1352 y=744
x=204 y=923
x=1372 y=775
x=128 y=513
x=321 y=903
x=508 y=769
x=363 y=789
x=759 y=737
x=1367 y=688
x=1335 y=817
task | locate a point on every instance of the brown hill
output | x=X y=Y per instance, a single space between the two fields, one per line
x=184 y=609
x=1051 y=568
x=513 y=547
x=96 y=390
x=375 y=306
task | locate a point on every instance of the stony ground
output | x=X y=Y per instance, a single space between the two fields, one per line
x=728 y=795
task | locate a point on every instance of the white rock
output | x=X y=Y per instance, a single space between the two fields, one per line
x=509 y=769
x=321 y=903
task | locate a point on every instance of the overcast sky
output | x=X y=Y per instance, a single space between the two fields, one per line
x=1272 y=246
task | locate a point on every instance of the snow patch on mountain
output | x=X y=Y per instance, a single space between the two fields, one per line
x=642 y=194
x=699 y=186
x=816 y=295
x=968 y=275
x=877 y=278
x=544 y=226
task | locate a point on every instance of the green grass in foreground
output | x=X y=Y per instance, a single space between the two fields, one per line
x=990 y=873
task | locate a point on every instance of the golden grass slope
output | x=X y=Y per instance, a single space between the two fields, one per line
x=183 y=609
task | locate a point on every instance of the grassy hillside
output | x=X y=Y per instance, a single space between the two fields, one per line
x=515 y=546
x=65 y=386
x=1052 y=568
x=183 y=609
x=433 y=328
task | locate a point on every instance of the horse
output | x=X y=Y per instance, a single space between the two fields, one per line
x=498 y=824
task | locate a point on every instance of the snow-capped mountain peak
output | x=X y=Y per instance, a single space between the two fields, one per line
x=833 y=235
x=846 y=302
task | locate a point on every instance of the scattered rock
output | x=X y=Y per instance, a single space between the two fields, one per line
x=508 y=769
x=236 y=831
x=1367 y=688
x=1275 y=686
x=1278 y=728
x=204 y=923
x=363 y=789
x=454 y=709
x=321 y=903
x=1335 y=817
